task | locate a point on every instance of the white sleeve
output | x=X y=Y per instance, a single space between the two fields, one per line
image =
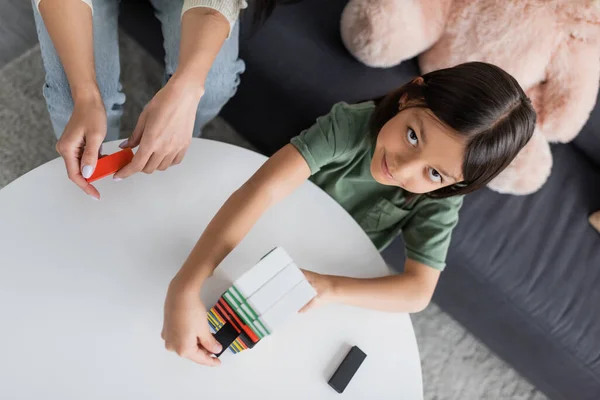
x=88 y=2
x=229 y=8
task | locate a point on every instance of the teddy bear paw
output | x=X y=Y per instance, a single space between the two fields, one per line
x=383 y=33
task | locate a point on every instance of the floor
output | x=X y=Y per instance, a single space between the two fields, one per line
x=455 y=365
x=17 y=29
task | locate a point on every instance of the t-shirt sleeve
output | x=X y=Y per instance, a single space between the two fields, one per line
x=327 y=139
x=428 y=232
x=230 y=9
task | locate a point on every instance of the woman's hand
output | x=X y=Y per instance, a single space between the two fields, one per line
x=323 y=284
x=80 y=143
x=185 y=327
x=164 y=129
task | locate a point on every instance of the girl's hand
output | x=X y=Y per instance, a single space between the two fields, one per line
x=323 y=284
x=185 y=327
x=80 y=143
x=164 y=130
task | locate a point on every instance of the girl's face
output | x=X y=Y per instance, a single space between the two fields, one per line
x=417 y=152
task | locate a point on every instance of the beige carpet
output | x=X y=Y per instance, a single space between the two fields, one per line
x=455 y=365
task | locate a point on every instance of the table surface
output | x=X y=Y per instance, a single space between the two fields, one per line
x=82 y=286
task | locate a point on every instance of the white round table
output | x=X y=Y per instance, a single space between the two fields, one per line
x=82 y=286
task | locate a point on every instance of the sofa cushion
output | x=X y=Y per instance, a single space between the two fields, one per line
x=296 y=68
x=588 y=140
x=533 y=264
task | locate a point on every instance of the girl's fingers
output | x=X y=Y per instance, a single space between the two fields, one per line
x=208 y=342
x=193 y=352
x=206 y=347
x=310 y=276
x=311 y=304
x=203 y=357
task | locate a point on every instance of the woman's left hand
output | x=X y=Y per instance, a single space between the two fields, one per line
x=164 y=129
x=323 y=284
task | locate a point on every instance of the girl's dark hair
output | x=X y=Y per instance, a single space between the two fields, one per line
x=483 y=104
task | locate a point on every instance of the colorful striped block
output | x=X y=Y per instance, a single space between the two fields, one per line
x=261 y=300
x=220 y=315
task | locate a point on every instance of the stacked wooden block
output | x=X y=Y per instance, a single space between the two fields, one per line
x=259 y=302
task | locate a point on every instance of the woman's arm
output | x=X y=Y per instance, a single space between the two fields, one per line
x=69 y=24
x=203 y=32
x=285 y=171
x=205 y=25
x=164 y=129
x=409 y=292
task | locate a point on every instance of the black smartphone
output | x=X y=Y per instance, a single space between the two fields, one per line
x=348 y=367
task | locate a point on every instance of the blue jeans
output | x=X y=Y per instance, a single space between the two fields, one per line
x=221 y=83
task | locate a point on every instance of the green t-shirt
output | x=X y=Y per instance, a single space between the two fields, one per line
x=338 y=149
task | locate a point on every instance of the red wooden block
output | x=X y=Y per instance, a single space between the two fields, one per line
x=109 y=165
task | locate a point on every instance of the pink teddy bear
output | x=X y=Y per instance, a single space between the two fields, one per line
x=552 y=48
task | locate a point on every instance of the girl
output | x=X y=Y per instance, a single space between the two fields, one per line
x=398 y=165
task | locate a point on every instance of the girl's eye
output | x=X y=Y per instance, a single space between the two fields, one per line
x=435 y=176
x=412 y=137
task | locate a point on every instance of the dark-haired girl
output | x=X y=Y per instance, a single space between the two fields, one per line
x=399 y=165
